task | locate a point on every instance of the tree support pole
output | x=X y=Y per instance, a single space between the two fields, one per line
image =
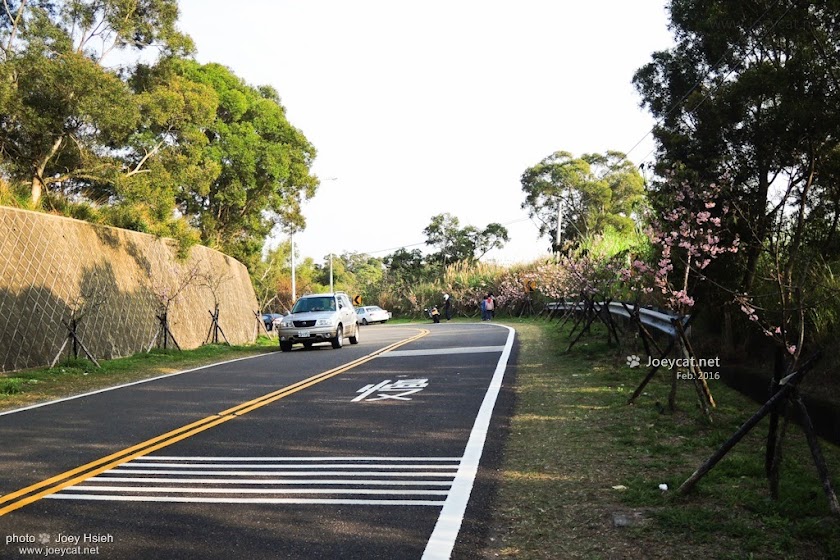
x=816 y=453
x=654 y=369
x=583 y=331
x=164 y=331
x=738 y=436
x=215 y=328
x=786 y=388
x=60 y=351
x=260 y=324
x=651 y=373
x=77 y=343
x=704 y=395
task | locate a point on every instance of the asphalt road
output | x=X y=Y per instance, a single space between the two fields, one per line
x=370 y=451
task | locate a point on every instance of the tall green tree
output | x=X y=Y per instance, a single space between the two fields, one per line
x=64 y=115
x=171 y=148
x=456 y=243
x=164 y=158
x=582 y=196
x=410 y=266
x=750 y=90
x=366 y=270
x=257 y=163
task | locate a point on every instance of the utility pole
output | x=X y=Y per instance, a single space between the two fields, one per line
x=294 y=287
x=559 y=237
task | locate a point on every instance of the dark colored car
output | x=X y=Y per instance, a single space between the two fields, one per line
x=271 y=319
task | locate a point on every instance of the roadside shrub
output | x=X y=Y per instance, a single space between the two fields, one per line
x=11 y=386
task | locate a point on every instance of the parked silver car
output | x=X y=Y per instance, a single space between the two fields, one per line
x=319 y=318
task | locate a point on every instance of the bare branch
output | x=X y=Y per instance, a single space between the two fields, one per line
x=145 y=158
x=15 y=23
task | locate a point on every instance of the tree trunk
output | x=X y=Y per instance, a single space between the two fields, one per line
x=728 y=333
x=38 y=184
x=759 y=233
x=773 y=452
x=36 y=190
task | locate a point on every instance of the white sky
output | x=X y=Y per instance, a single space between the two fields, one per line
x=420 y=108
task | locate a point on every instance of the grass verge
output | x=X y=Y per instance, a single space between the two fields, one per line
x=582 y=470
x=77 y=376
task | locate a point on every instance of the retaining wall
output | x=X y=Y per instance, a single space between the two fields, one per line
x=114 y=282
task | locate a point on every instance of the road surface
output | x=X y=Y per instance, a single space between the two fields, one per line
x=370 y=451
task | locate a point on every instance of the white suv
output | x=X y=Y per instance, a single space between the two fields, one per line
x=319 y=318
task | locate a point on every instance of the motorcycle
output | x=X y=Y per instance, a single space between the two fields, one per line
x=433 y=314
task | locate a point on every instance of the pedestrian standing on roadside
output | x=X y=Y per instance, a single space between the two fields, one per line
x=484 y=309
x=447 y=306
x=490 y=306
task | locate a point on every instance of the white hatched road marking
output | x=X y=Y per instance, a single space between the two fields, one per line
x=134 y=465
x=120 y=470
x=296 y=501
x=267 y=481
x=399 y=481
x=292 y=459
x=181 y=490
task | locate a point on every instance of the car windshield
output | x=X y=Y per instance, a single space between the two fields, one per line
x=314 y=304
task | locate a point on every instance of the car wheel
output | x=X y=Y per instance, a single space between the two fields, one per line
x=364 y=321
x=285 y=346
x=338 y=341
x=355 y=338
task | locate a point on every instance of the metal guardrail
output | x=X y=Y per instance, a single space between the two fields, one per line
x=660 y=321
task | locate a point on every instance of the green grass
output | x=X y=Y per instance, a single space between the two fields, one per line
x=577 y=454
x=76 y=376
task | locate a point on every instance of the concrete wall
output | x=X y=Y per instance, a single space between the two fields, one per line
x=54 y=268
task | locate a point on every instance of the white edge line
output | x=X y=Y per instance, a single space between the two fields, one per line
x=442 y=540
x=186 y=500
x=124 y=385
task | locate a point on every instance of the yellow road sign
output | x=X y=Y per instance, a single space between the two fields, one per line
x=530 y=286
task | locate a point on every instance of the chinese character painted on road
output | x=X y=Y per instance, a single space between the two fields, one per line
x=396 y=390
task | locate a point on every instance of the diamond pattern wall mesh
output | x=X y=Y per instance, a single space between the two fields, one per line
x=114 y=282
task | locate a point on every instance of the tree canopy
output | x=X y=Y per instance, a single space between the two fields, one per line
x=455 y=243
x=172 y=147
x=750 y=91
x=250 y=165
x=582 y=195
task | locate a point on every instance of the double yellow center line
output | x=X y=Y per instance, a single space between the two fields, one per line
x=35 y=492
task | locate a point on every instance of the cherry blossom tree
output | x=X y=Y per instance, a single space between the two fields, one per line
x=690 y=236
